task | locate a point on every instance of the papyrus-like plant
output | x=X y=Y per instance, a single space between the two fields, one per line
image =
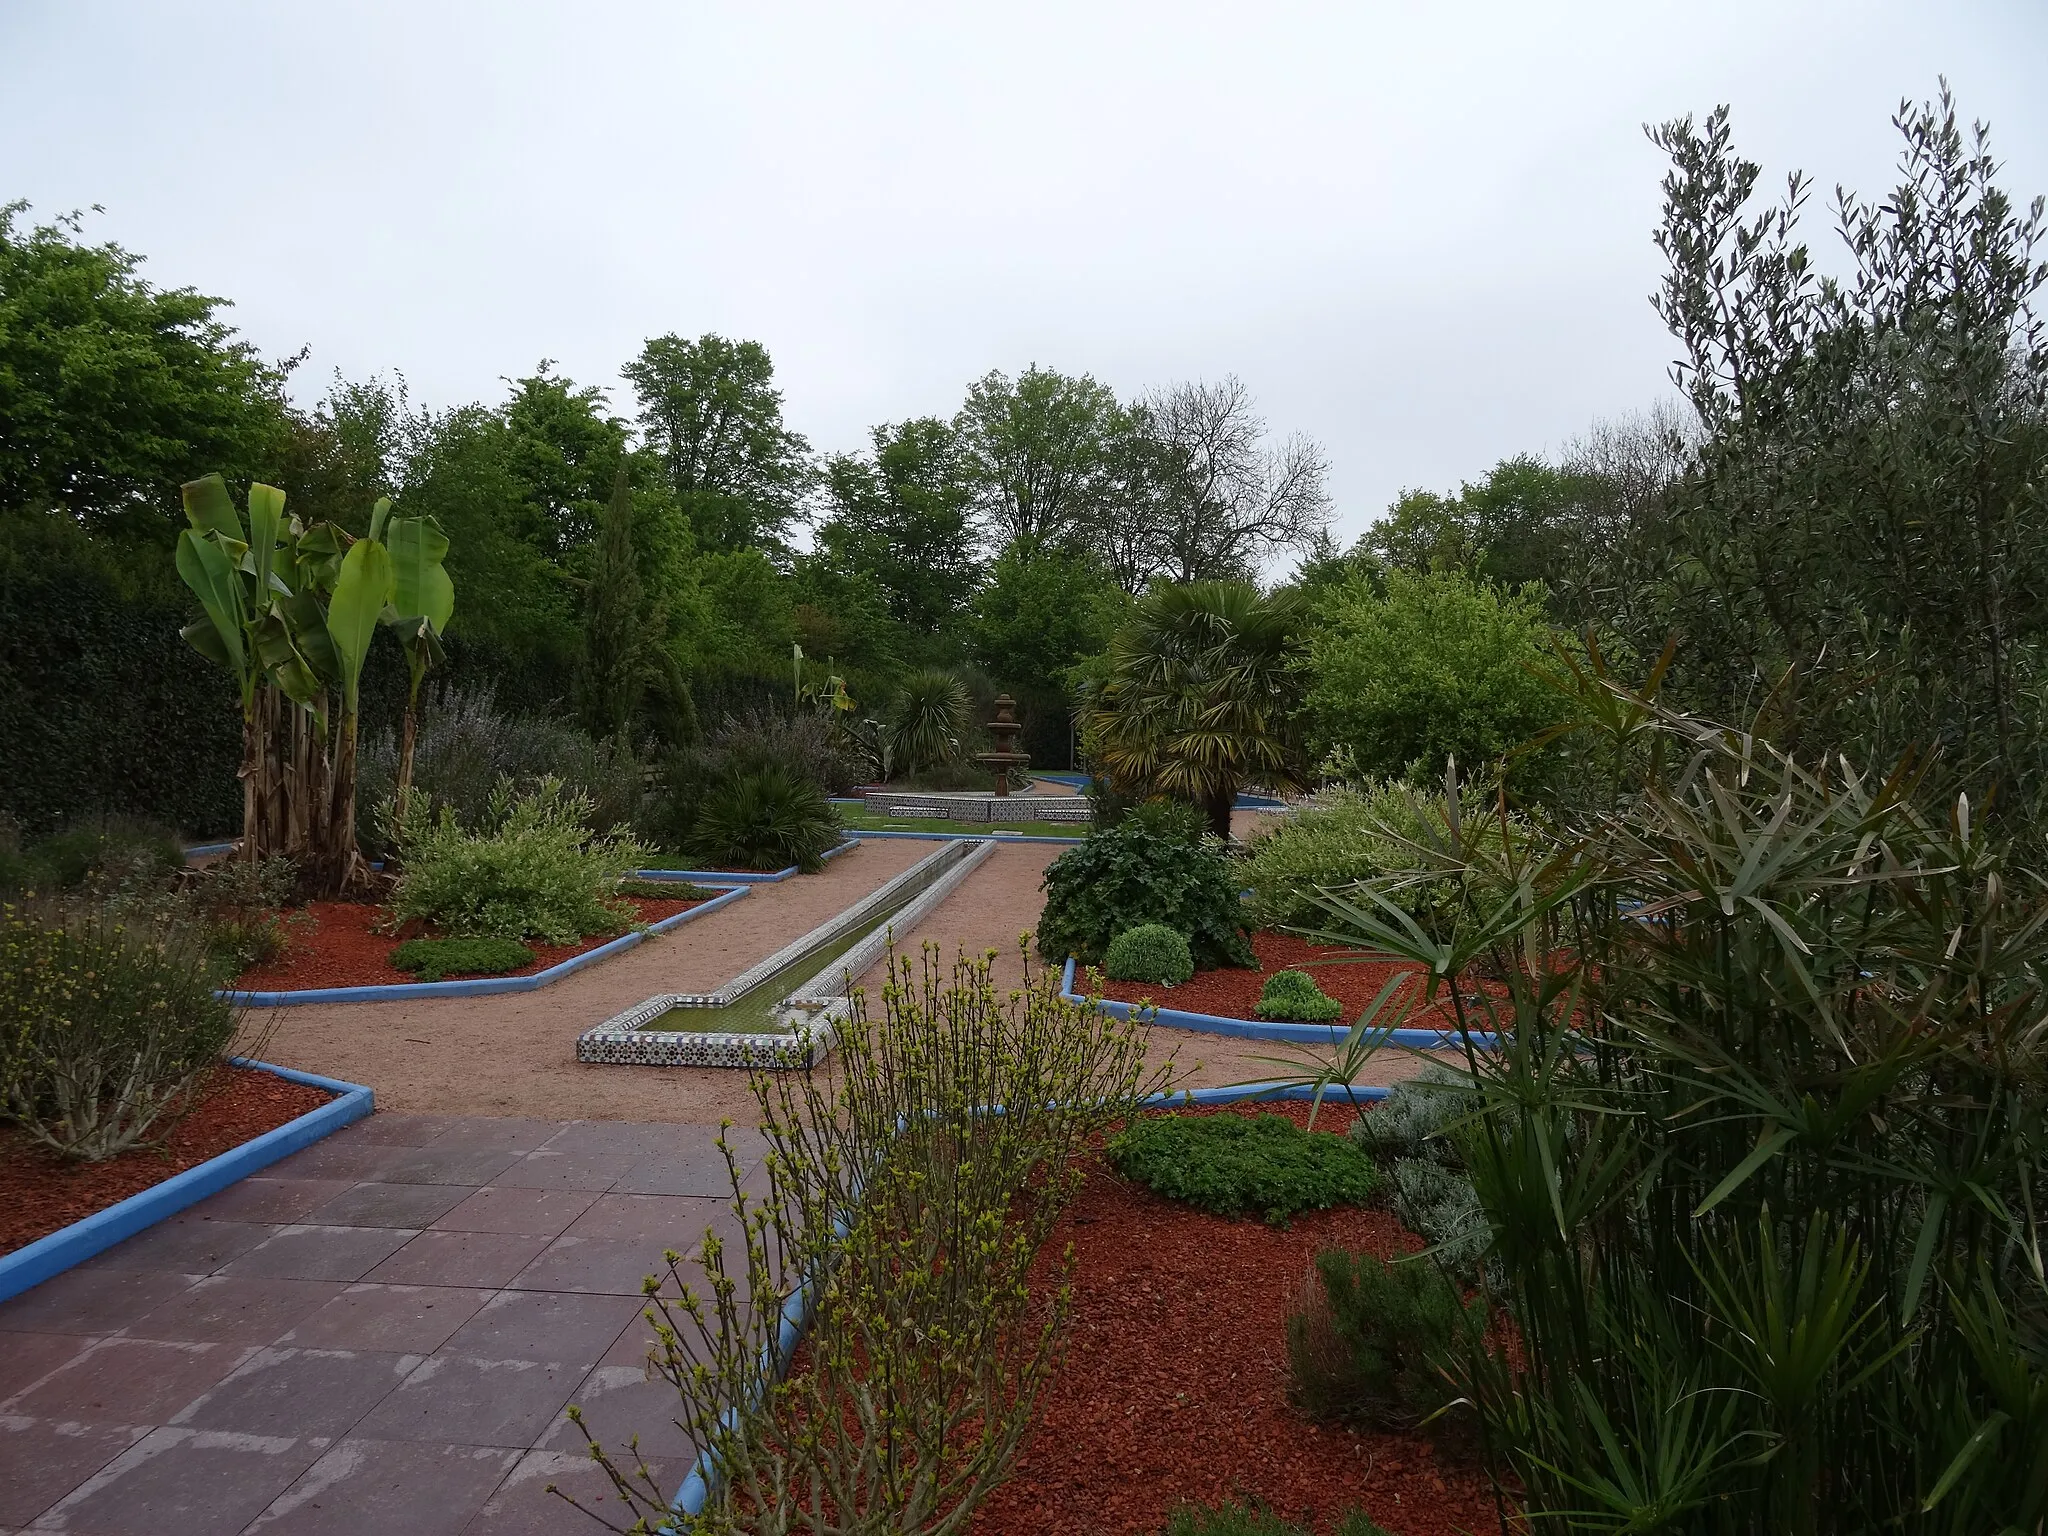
x=911 y=1183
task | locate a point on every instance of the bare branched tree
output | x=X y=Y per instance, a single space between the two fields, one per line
x=1218 y=501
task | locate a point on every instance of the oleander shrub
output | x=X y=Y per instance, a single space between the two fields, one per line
x=764 y=818
x=535 y=870
x=1293 y=996
x=1232 y=1165
x=1367 y=1340
x=1145 y=869
x=109 y=1025
x=1150 y=952
x=1257 y=1520
x=434 y=959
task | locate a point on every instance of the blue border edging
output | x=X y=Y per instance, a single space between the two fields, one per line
x=1268 y=1029
x=68 y=1246
x=695 y=1492
x=481 y=986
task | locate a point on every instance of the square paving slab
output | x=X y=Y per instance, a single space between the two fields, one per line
x=379 y=1333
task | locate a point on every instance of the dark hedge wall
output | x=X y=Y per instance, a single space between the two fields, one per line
x=102 y=706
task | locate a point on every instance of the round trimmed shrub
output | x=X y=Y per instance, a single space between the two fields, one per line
x=1295 y=997
x=1149 y=952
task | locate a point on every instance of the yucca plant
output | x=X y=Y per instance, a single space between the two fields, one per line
x=928 y=725
x=1760 y=1150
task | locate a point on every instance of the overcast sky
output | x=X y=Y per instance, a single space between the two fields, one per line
x=1419 y=232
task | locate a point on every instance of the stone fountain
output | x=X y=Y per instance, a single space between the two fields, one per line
x=1004 y=729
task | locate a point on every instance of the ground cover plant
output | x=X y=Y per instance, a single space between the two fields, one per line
x=914 y=1215
x=1231 y=1165
x=1149 y=952
x=1151 y=867
x=1295 y=997
x=108 y=1024
x=534 y=870
x=1758 y=1174
x=434 y=959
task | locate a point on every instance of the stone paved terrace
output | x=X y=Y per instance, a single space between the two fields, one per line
x=378 y=1334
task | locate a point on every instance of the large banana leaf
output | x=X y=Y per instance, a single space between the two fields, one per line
x=266 y=519
x=206 y=569
x=210 y=509
x=360 y=593
x=420 y=585
x=309 y=633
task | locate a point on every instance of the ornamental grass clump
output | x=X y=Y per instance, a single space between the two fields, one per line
x=109 y=1026
x=1150 y=952
x=1234 y=1165
x=534 y=870
x=764 y=818
x=1295 y=997
x=910 y=1186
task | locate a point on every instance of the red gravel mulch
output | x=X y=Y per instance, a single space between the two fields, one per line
x=332 y=945
x=1174 y=1385
x=1234 y=993
x=40 y=1192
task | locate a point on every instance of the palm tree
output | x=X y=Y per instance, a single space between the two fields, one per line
x=1201 y=697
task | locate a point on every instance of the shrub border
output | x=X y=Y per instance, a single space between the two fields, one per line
x=58 y=1251
x=481 y=986
x=695 y=1492
x=745 y=876
x=1274 y=1029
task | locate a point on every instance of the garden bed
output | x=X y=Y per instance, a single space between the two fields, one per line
x=334 y=944
x=40 y=1193
x=1174 y=1384
x=1234 y=994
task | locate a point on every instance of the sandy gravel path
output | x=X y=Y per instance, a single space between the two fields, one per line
x=516 y=1055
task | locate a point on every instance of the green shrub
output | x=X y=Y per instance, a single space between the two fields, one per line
x=1149 y=952
x=1145 y=869
x=241 y=905
x=802 y=745
x=1414 y=1135
x=1414 y=1119
x=1246 y=1520
x=765 y=818
x=1408 y=674
x=1230 y=1164
x=467 y=746
x=665 y=890
x=1364 y=1342
x=106 y=851
x=434 y=959
x=1294 y=996
x=536 y=871
x=108 y=1025
x=1356 y=834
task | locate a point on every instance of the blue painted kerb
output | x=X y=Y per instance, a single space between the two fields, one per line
x=1270 y=1029
x=482 y=986
x=52 y=1255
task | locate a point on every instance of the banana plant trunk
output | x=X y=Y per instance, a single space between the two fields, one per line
x=408 y=736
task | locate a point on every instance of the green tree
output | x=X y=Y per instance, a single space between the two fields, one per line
x=1523 y=522
x=710 y=410
x=113 y=391
x=1040 y=453
x=1435 y=664
x=1042 y=611
x=899 y=517
x=1202 y=691
x=565 y=450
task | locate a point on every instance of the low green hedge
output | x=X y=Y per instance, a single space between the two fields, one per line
x=1230 y=1165
x=435 y=959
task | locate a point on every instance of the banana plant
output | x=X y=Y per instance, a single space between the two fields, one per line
x=291 y=612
